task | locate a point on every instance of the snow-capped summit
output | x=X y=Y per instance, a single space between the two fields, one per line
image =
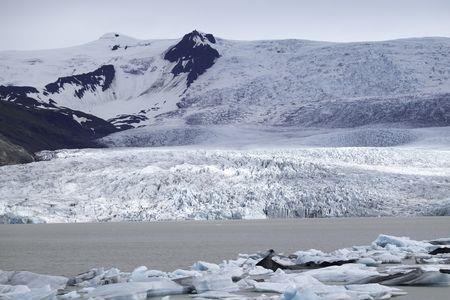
x=115 y=41
x=117 y=37
x=110 y=36
x=199 y=37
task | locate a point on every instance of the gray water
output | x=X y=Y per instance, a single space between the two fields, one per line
x=69 y=249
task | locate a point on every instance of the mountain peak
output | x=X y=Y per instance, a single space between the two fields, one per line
x=199 y=37
x=109 y=36
x=193 y=55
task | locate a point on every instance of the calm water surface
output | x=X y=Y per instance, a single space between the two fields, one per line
x=69 y=249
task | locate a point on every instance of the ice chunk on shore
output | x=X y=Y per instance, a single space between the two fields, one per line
x=281 y=282
x=333 y=292
x=13 y=292
x=142 y=274
x=375 y=290
x=405 y=243
x=309 y=255
x=368 y=261
x=180 y=273
x=70 y=295
x=441 y=241
x=218 y=295
x=138 y=290
x=388 y=258
x=426 y=275
x=214 y=282
x=13 y=289
x=318 y=259
x=346 y=273
x=21 y=292
x=295 y=294
x=275 y=287
x=97 y=276
x=32 y=280
x=205 y=266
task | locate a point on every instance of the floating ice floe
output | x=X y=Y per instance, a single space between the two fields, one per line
x=359 y=272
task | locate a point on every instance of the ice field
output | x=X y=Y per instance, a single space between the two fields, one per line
x=174 y=183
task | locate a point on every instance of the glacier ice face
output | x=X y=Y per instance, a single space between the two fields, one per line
x=182 y=183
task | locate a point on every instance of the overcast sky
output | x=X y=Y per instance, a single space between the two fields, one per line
x=40 y=24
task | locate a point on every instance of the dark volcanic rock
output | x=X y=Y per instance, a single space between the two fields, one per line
x=37 y=126
x=98 y=79
x=268 y=263
x=16 y=91
x=124 y=122
x=13 y=154
x=440 y=250
x=193 y=55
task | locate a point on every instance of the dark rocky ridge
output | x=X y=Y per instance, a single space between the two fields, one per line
x=44 y=129
x=35 y=126
x=91 y=81
x=124 y=122
x=192 y=57
x=16 y=91
x=28 y=125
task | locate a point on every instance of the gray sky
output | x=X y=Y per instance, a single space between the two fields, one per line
x=40 y=24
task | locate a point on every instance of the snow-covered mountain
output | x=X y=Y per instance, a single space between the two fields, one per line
x=202 y=80
x=297 y=100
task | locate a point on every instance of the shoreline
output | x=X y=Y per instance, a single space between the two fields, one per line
x=210 y=221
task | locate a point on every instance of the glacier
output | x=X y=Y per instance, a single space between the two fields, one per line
x=275 y=179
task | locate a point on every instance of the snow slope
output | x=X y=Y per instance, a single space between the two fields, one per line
x=280 y=82
x=184 y=183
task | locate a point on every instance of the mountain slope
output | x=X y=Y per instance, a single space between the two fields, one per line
x=37 y=126
x=202 y=80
